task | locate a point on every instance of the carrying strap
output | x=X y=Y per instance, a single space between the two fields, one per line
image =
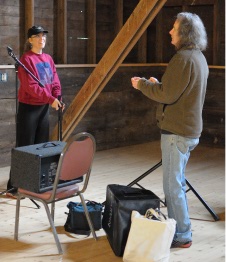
x=81 y=232
x=99 y=206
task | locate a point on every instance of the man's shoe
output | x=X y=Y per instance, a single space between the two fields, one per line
x=177 y=244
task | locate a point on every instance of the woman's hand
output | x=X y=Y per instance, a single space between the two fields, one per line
x=57 y=104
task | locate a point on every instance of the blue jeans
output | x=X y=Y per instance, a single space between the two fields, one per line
x=175 y=154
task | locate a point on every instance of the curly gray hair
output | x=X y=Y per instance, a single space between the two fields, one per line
x=191 y=31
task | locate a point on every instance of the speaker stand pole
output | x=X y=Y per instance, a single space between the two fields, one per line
x=135 y=182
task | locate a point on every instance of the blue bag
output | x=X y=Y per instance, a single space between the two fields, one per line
x=76 y=221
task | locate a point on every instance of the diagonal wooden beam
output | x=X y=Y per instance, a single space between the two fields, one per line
x=130 y=33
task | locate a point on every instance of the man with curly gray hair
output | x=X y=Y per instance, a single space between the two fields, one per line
x=180 y=94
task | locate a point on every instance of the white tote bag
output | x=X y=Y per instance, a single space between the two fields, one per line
x=149 y=240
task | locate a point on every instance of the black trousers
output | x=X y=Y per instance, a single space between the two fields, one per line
x=32 y=126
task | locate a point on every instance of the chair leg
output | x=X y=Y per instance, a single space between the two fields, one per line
x=88 y=216
x=53 y=228
x=17 y=217
x=53 y=210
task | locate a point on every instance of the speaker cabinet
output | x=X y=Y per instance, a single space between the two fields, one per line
x=34 y=167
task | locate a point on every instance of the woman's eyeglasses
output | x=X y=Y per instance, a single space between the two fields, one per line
x=39 y=36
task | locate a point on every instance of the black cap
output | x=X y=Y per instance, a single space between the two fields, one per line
x=34 y=30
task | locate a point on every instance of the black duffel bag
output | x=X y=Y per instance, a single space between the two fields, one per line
x=76 y=220
x=119 y=204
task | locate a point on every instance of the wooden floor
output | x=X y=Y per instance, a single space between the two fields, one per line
x=205 y=172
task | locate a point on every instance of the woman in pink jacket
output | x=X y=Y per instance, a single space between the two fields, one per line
x=34 y=99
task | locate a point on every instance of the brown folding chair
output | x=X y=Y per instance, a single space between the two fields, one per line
x=75 y=162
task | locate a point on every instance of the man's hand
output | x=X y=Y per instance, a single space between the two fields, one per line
x=153 y=80
x=135 y=81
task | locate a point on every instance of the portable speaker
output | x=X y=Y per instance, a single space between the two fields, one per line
x=120 y=202
x=34 y=167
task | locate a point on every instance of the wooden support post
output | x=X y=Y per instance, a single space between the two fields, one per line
x=29 y=15
x=118 y=13
x=61 y=32
x=91 y=31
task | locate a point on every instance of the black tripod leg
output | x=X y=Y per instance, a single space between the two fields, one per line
x=214 y=215
x=145 y=174
x=35 y=203
x=8 y=191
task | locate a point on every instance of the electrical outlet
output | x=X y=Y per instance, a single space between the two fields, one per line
x=3 y=77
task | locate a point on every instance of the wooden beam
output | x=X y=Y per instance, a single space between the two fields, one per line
x=142 y=48
x=159 y=38
x=216 y=33
x=91 y=31
x=189 y=2
x=118 y=13
x=61 y=32
x=29 y=15
x=130 y=33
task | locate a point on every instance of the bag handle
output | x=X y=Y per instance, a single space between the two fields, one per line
x=155 y=214
x=142 y=192
x=47 y=145
x=87 y=202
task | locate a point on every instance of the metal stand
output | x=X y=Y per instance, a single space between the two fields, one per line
x=60 y=112
x=17 y=64
x=213 y=214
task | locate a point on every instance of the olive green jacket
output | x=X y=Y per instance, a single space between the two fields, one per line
x=180 y=93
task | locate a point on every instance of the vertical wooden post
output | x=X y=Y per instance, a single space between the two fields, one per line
x=159 y=37
x=118 y=15
x=91 y=31
x=29 y=15
x=142 y=48
x=61 y=32
x=216 y=33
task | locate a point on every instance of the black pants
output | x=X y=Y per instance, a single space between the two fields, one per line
x=32 y=124
x=32 y=127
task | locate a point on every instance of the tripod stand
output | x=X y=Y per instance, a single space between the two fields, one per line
x=213 y=214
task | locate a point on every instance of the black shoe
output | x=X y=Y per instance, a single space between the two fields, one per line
x=177 y=244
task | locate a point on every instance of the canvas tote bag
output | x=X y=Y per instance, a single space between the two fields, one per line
x=149 y=240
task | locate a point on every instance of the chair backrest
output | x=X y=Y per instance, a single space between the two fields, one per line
x=76 y=159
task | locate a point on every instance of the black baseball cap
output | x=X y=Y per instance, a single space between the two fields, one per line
x=34 y=30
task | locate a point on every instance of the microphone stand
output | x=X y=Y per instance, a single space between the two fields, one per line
x=60 y=120
x=17 y=64
x=10 y=52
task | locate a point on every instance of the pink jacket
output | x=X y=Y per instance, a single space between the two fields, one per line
x=43 y=68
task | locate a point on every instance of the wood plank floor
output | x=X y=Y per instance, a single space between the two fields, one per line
x=205 y=171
